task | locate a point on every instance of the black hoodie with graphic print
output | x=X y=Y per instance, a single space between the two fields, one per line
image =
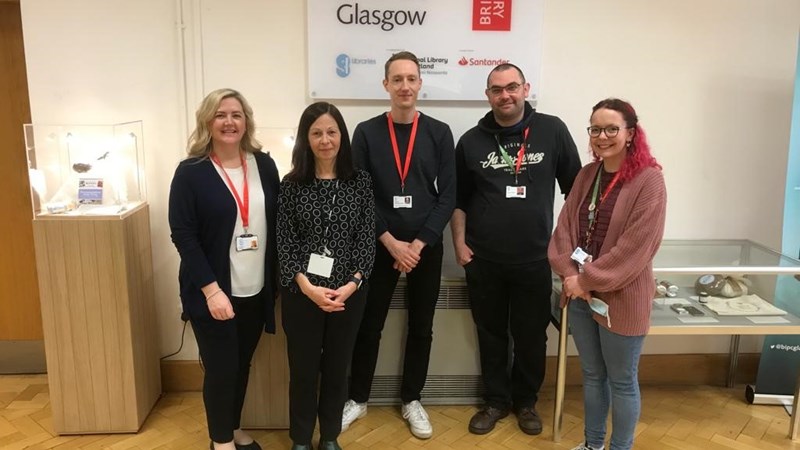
x=513 y=230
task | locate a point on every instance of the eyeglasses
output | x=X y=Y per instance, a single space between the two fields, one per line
x=610 y=131
x=511 y=88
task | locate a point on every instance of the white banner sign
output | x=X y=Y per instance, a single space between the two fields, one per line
x=457 y=42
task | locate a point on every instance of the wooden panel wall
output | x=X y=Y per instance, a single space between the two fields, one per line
x=21 y=317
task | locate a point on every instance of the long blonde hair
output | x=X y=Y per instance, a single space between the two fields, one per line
x=199 y=144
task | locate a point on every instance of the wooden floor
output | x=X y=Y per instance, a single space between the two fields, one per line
x=687 y=418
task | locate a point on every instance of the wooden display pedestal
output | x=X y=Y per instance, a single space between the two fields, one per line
x=267 y=402
x=98 y=315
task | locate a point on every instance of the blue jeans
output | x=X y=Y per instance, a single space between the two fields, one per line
x=610 y=366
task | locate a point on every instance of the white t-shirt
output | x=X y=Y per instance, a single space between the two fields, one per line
x=247 y=267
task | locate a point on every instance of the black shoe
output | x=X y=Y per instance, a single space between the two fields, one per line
x=301 y=447
x=251 y=446
x=329 y=445
x=529 y=421
x=485 y=419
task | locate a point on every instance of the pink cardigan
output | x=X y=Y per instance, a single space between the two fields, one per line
x=622 y=275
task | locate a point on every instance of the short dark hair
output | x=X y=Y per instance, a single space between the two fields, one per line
x=404 y=55
x=303 y=162
x=502 y=68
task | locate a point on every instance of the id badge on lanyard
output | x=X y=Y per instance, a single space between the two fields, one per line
x=402 y=201
x=246 y=242
x=516 y=191
x=320 y=265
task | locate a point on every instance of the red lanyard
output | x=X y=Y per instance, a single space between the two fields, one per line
x=521 y=152
x=403 y=172
x=594 y=205
x=244 y=206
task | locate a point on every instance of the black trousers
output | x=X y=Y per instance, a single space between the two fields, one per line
x=319 y=345
x=226 y=348
x=515 y=297
x=423 y=293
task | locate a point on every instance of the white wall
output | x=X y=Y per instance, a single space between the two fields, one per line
x=712 y=81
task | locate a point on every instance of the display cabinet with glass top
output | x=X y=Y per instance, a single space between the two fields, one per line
x=739 y=286
x=91 y=229
x=85 y=169
x=711 y=287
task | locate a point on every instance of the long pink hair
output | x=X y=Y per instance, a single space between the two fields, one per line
x=638 y=156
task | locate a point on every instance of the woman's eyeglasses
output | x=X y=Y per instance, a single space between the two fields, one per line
x=610 y=131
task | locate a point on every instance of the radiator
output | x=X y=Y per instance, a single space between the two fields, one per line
x=454 y=371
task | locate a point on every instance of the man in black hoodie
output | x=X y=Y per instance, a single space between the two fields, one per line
x=506 y=169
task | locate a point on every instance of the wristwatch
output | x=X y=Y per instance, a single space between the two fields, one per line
x=357 y=281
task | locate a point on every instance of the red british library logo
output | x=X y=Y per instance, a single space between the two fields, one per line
x=491 y=15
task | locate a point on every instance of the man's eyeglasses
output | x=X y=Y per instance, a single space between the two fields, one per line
x=511 y=88
x=610 y=131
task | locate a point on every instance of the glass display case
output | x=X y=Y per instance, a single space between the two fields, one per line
x=710 y=287
x=92 y=170
x=747 y=283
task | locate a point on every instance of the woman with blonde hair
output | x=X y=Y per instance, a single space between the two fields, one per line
x=223 y=204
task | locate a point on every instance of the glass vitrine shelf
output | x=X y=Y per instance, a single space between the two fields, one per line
x=728 y=256
x=768 y=274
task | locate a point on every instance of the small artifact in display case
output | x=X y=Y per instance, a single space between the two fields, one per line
x=85 y=169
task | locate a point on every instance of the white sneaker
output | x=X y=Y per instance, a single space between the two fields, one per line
x=418 y=420
x=586 y=447
x=351 y=412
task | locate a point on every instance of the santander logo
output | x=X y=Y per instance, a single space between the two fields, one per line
x=490 y=62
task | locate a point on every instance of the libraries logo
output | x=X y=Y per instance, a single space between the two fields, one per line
x=344 y=62
x=343 y=65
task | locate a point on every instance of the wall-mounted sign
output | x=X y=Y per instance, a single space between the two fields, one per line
x=457 y=43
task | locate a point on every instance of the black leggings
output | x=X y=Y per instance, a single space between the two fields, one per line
x=226 y=347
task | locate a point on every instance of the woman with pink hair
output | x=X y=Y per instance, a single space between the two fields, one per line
x=602 y=248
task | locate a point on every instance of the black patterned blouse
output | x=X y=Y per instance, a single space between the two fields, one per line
x=303 y=217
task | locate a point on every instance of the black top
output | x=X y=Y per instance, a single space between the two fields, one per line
x=513 y=230
x=430 y=182
x=303 y=216
x=202 y=215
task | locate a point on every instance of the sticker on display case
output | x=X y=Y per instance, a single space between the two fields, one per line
x=90 y=191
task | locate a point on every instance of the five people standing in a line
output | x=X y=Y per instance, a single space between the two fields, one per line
x=348 y=220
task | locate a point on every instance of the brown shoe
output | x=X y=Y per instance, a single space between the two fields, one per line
x=485 y=419
x=528 y=421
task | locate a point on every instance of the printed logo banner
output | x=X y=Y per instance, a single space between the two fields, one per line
x=780 y=356
x=457 y=42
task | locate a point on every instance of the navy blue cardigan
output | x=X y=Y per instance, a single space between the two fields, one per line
x=202 y=216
